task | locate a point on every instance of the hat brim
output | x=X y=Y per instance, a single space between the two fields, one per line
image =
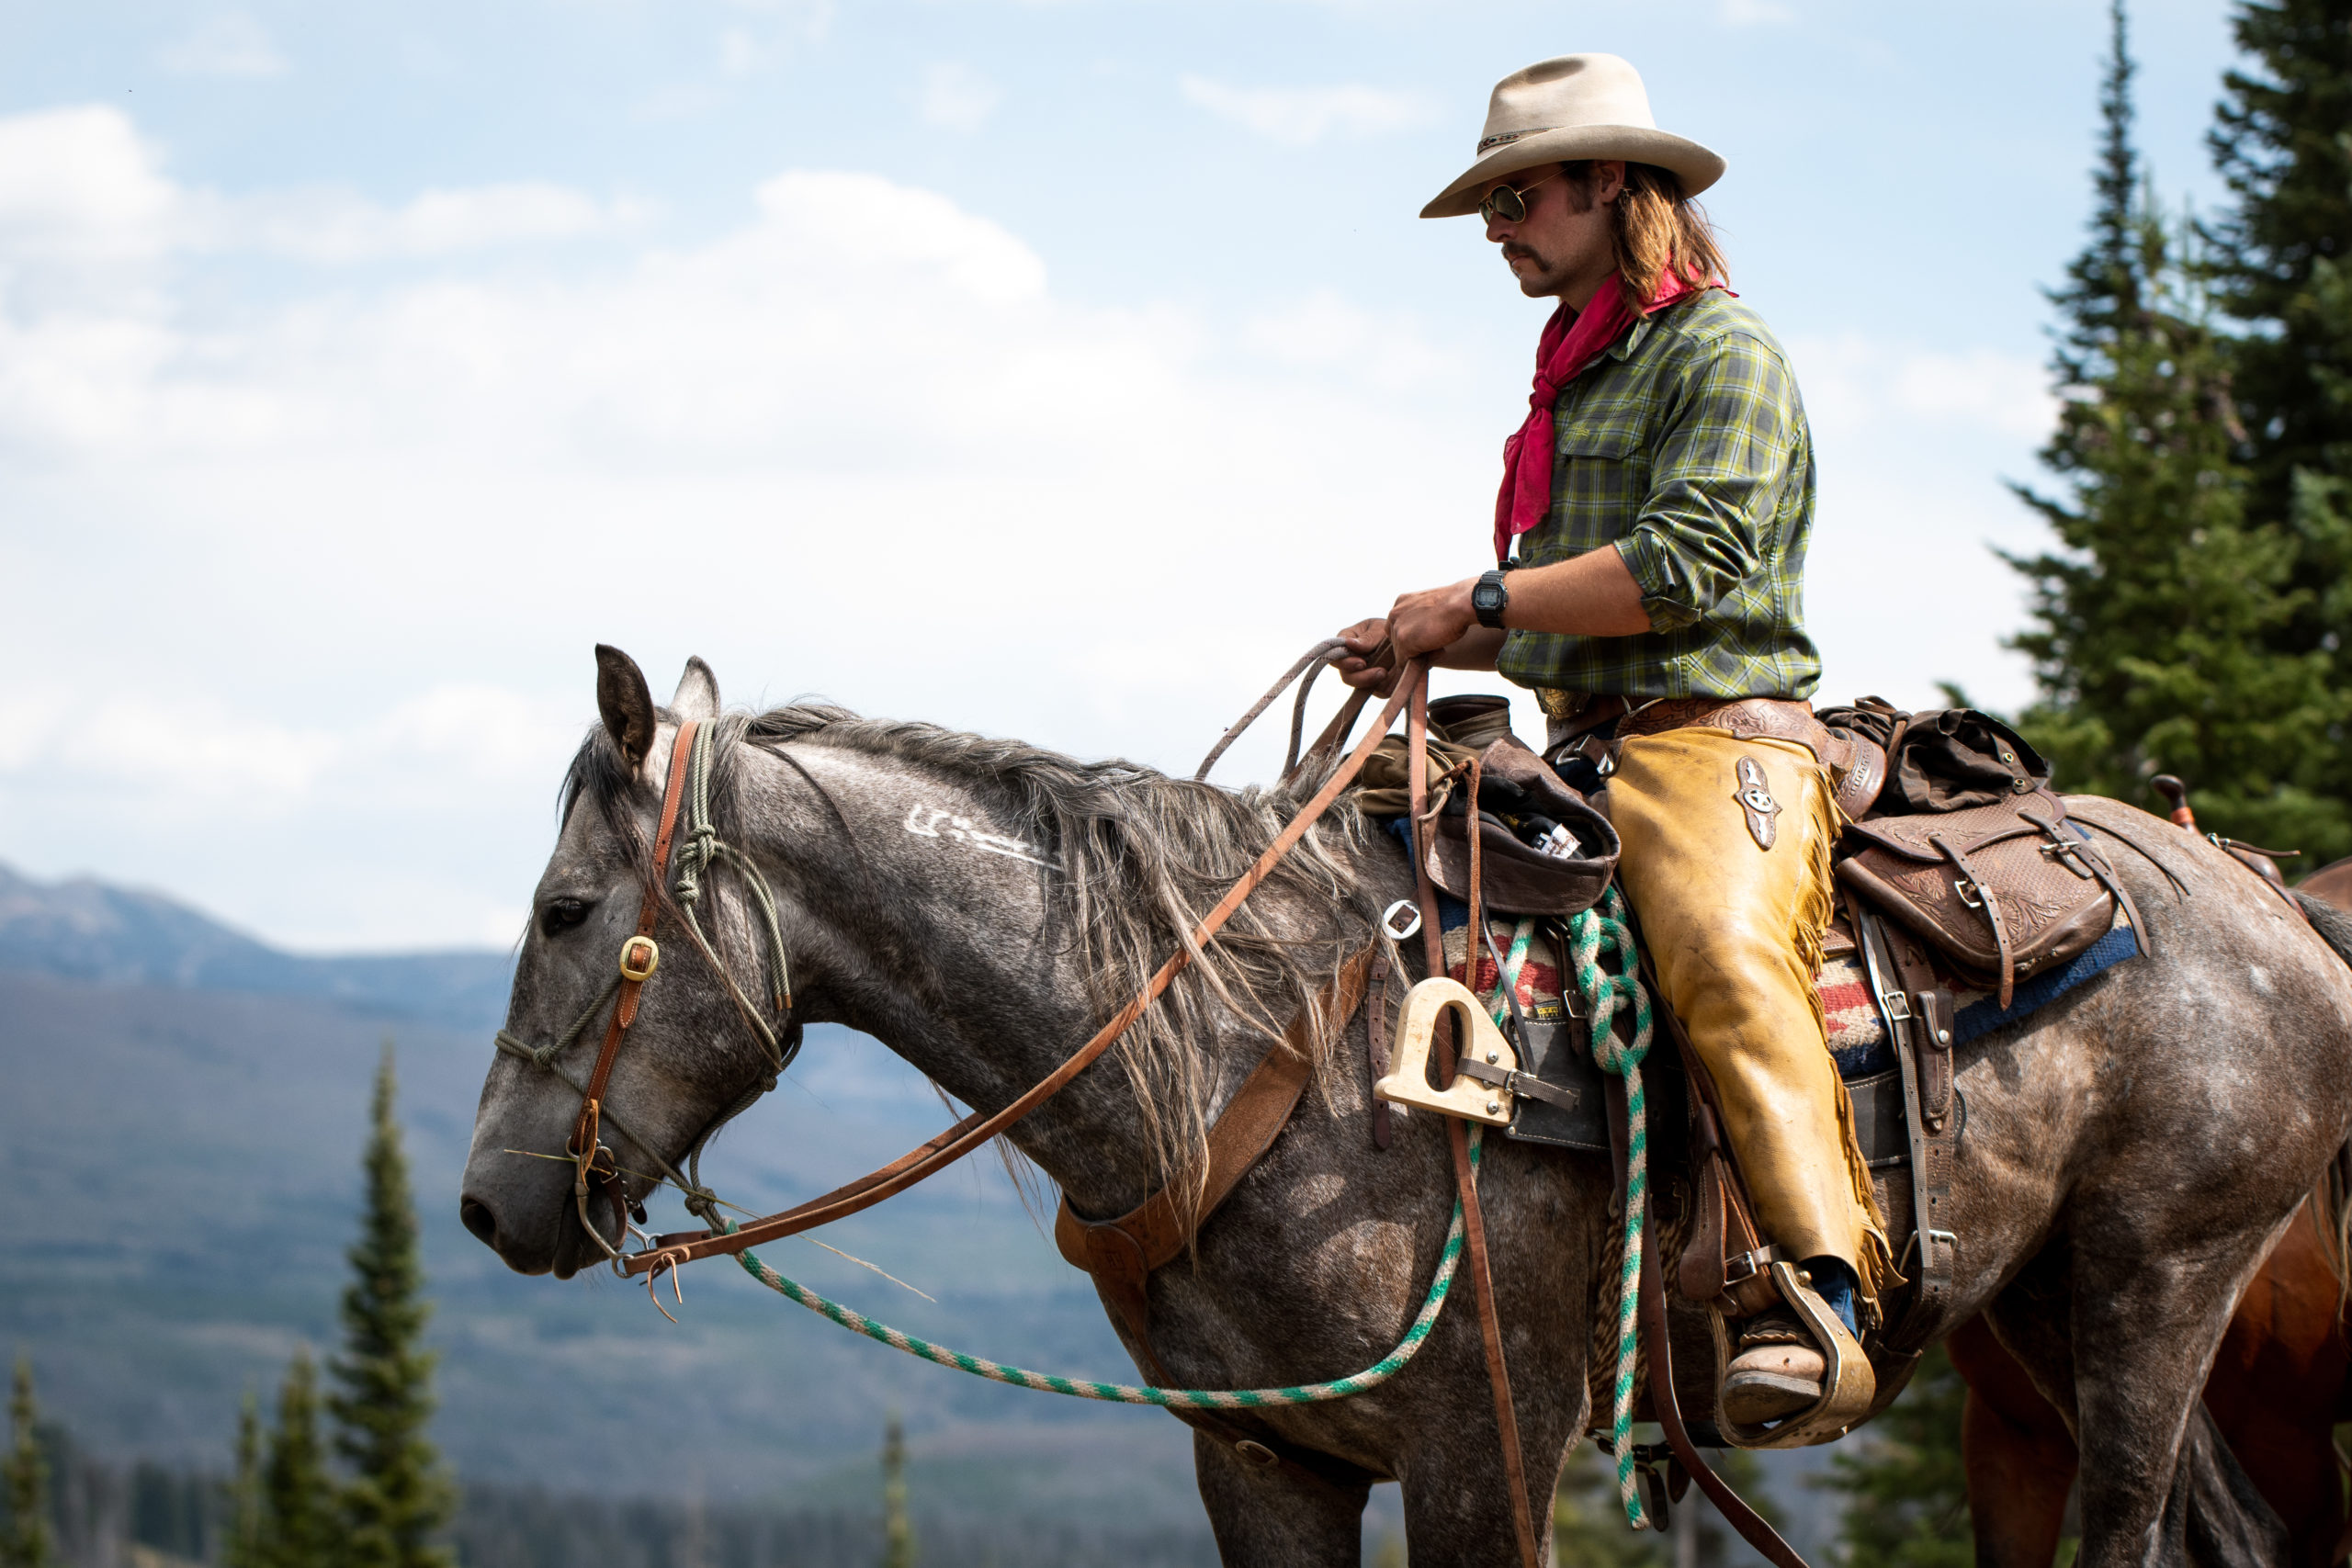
x=1697 y=166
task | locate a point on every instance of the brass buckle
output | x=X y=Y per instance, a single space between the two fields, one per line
x=643 y=969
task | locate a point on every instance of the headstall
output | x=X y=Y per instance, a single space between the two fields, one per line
x=687 y=788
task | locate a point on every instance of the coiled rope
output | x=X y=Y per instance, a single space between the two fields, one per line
x=1604 y=995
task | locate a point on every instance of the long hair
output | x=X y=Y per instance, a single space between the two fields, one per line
x=1658 y=230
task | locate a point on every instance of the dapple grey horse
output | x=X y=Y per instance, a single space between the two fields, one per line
x=982 y=906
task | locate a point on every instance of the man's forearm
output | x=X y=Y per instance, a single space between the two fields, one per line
x=1593 y=594
x=1476 y=648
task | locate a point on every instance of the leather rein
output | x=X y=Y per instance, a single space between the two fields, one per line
x=594 y=1162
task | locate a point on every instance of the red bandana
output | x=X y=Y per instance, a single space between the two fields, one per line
x=1572 y=340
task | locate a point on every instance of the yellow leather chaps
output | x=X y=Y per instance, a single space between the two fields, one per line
x=1734 y=930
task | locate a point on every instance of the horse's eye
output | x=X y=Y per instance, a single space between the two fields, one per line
x=561 y=914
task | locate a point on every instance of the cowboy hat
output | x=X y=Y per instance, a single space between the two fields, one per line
x=1578 y=105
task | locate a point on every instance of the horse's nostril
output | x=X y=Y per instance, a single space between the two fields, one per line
x=478 y=1220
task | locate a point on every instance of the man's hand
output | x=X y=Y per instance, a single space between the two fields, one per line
x=1365 y=641
x=1438 y=622
x=1433 y=620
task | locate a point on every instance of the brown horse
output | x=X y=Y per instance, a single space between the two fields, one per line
x=2281 y=1382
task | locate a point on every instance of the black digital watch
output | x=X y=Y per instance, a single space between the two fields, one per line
x=1490 y=598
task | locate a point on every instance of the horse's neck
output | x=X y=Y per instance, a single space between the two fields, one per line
x=936 y=921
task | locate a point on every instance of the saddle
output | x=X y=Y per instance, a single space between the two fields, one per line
x=1962 y=874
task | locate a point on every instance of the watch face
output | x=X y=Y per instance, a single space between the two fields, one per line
x=1488 y=596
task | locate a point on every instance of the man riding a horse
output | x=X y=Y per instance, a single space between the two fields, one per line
x=1661 y=496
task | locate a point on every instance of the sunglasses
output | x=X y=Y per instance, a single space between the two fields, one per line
x=1508 y=203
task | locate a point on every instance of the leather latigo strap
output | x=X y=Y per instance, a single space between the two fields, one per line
x=1664 y=1404
x=1375 y=1040
x=1918 y=1010
x=1122 y=1253
x=975 y=1131
x=1474 y=1224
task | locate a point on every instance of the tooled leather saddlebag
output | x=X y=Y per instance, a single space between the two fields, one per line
x=2003 y=890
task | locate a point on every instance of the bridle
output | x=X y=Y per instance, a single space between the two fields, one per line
x=685 y=788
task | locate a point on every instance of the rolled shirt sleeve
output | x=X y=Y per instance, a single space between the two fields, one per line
x=1715 y=490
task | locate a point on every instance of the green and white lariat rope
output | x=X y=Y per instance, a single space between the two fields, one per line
x=1604 y=994
x=1372 y=1377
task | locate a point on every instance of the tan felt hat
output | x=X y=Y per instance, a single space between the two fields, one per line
x=1578 y=105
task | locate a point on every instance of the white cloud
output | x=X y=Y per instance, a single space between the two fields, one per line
x=79 y=187
x=956 y=97
x=327 y=564
x=1325 y=331
x=78 y=184
x=336 y=226
x=233 y=45
x=1860 y=382
x=1299 y=116
x=741 y=54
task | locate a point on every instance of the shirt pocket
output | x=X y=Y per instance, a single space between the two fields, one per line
x=1600 y=475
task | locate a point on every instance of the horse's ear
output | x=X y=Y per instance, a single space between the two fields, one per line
x=697 y=696
x=627 y=703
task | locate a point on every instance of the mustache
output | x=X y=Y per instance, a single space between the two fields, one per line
x=1514 y=253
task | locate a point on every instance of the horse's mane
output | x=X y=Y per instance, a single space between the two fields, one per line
x=1139 y=857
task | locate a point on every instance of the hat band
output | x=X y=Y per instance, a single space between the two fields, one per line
x=1505 y=138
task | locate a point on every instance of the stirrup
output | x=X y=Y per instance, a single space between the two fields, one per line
x=1848 y=1384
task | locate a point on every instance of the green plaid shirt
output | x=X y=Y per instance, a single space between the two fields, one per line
x=1686 y=447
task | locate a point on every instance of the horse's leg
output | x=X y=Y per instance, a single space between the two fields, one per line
x=2159 y=1484
x=2277 y=1384
x=1457 y=1504
x=1272 y=1518
x=2019 y=1458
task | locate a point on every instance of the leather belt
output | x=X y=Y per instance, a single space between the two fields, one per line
x=1750 y=719
x=1574 y=729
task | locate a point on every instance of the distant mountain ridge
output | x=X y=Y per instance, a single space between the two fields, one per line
x=82 y=929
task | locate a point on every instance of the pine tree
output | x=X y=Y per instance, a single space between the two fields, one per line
x=241 y=1545
x=298 y=1527
x=2284 y=257
x=24 y=1477
x=1906 y=1491
x=898 y=1531
x=398 y=1499
x=2161 y=625
x=2282 y=262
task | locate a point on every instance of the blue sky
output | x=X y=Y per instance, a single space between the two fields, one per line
x=1056 y=369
